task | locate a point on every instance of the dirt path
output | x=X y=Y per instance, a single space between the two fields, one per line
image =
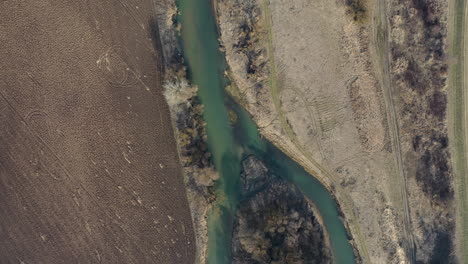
x=382 y=44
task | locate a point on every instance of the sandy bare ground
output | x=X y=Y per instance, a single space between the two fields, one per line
x=89 y=171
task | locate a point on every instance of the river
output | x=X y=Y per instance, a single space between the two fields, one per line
x=229 y=144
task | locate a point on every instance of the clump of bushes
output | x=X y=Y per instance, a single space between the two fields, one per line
x=357 y=10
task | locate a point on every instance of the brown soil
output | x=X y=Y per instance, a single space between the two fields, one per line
x=89 y=171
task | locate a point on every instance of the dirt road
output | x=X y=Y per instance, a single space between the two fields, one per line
x=89 y=171
x=382 y=43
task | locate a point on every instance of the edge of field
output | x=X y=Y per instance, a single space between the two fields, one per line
x=458 y=119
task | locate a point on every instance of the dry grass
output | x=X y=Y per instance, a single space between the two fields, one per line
x=357 y=9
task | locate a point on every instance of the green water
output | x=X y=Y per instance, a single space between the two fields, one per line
x=229 y=144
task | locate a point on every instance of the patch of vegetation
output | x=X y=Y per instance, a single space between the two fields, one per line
x=232 y=117
x=419 y=71
x=187 y=110
x=438 y=104
x=194 y=150
x=433 y=171
x=443 y=248
x=433 y=174
x=277 y=225
x=357 y=10
x=413 y=75
x=421 y=83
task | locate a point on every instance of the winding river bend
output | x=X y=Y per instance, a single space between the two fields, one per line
x=229 y=144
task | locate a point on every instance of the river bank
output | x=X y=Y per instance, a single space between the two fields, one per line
x=199 y=173
x=230 y=136
x=189 y=130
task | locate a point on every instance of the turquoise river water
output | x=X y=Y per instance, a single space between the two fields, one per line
x=229 y=144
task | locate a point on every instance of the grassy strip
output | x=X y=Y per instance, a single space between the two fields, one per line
x=458 y=120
